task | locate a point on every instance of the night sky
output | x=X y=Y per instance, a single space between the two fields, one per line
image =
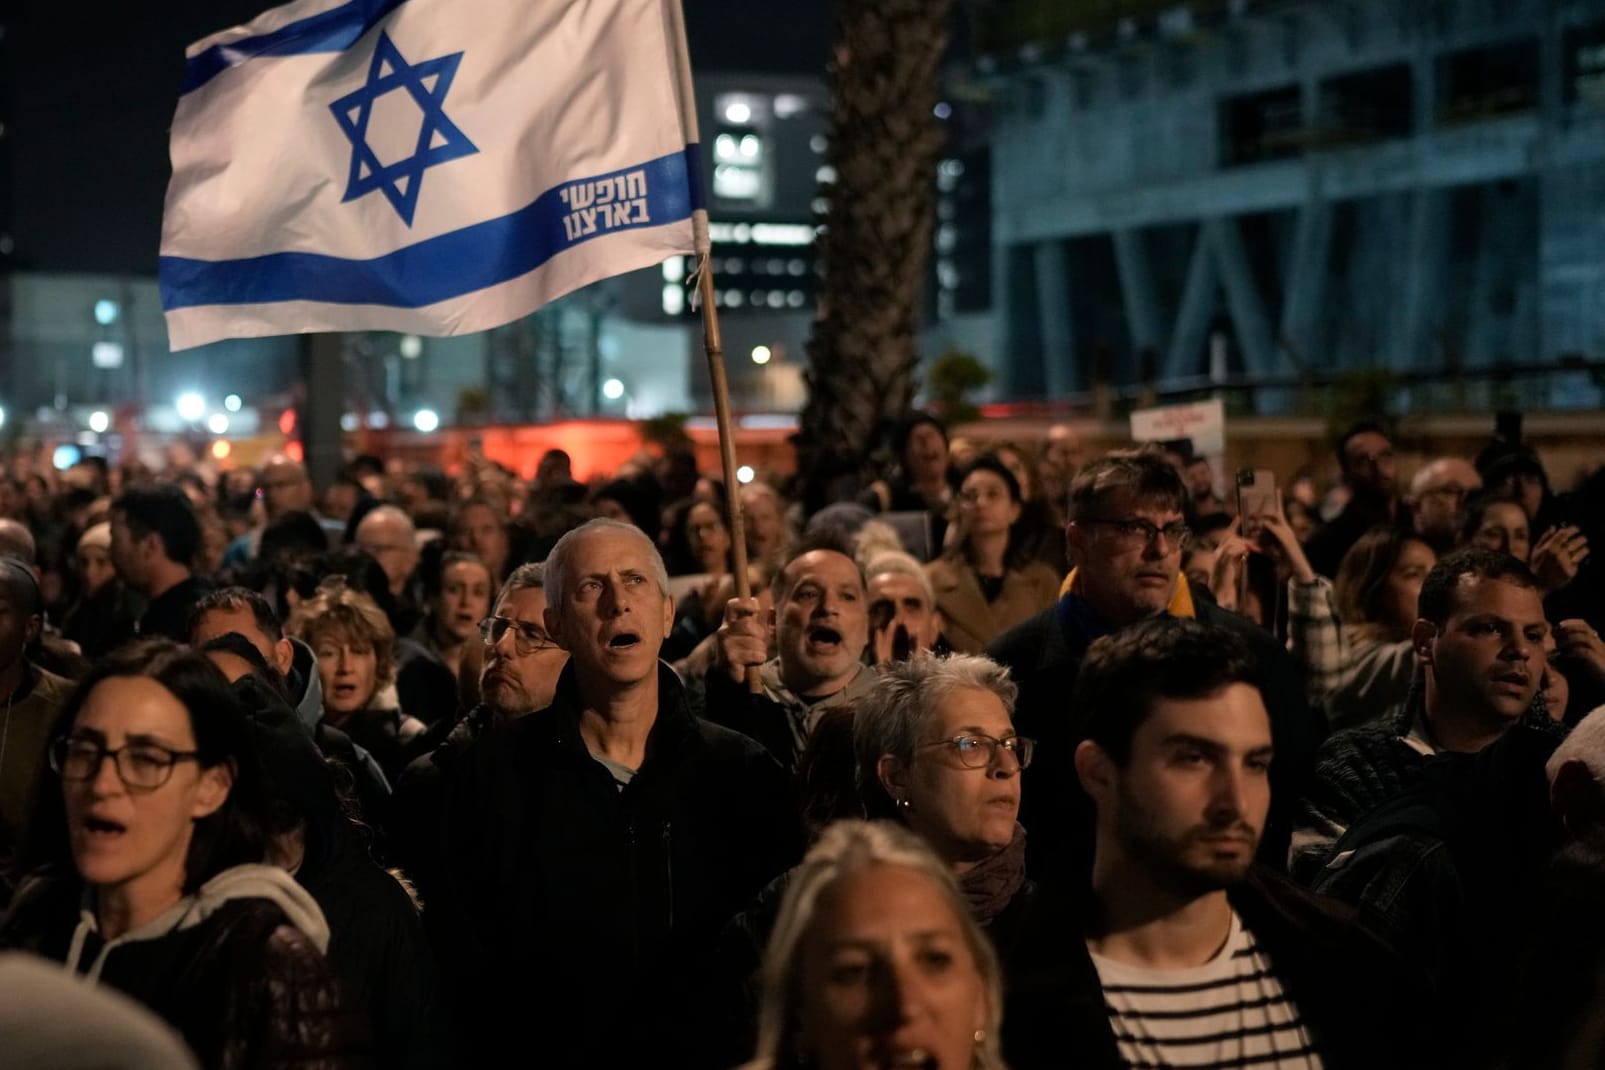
x=88 y=94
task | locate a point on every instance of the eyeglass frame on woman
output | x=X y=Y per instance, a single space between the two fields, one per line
x=1177 y=534
x=1021 y=747
x=63 y=744
x=522 y=639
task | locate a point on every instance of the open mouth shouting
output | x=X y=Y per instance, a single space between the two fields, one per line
x=101 y=830
x=824 y=641
x=623 y=641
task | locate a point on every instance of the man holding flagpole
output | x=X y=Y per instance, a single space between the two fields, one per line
x=443 y=167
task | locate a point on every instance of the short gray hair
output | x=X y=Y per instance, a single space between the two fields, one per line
x=556 y=572
x=522 y=578
x=907 y=694
x=843 y=849
x=901 y=564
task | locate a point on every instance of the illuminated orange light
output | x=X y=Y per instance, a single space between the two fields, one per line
x=287 y=422
x=220 y=449
x=292 y=450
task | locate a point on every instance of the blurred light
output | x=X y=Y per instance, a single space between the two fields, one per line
x=776 y=299
x=348 y=421
x=191 y=406
x=217 y=424
x=425 y=420
x=294 y=451
x=789 y=104
x=378 y=420
x=98 y=422
x=745 y=474
x=221 y=449
x=760 y=354
x=750 y=146
x=287 y=422
x=737 y=112
x=411 y=346
x=65 y=456
x=673 y=269
x=2 y=417
x=106 y=312
x=673 y=299
x=942 y=110
x=233 y=403
x=826 y=173
x=613 y=389
x=819 y=143
x=106 y=354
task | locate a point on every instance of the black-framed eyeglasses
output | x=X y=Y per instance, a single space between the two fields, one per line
x=140 y=766
x=1135 y=531
x=527 y=637
x=977 y=751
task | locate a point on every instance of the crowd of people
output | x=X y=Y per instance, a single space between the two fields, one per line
x=1018 y=756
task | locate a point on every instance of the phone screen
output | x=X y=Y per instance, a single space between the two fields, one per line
x=1256 y=494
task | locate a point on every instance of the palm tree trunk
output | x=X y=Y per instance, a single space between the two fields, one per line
x=884 y=142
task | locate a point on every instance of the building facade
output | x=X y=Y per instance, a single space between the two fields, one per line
x=1240 y=192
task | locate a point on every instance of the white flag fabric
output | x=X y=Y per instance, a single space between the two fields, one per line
x=427 y=166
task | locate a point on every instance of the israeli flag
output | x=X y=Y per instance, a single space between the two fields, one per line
x=427 y=166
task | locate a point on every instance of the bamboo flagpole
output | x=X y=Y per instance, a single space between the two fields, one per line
x=711 y=341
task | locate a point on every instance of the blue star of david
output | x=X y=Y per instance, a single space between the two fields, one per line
x=439 y=139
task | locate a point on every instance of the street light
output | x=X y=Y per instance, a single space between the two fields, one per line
x=191 y=406
x=613 y=389
x=426 y=420
x=760 y=354
x=217 y=424
x=99 y=422
x=232 y=402
x=745 y=474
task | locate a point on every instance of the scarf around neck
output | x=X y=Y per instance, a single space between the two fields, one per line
x=989 y=886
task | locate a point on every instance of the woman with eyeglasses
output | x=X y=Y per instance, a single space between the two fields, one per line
x=987 y=582
x=935 y=750
x=353 y=642
x=144 y=862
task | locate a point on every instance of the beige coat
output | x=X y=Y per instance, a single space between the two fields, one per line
x=970 y=622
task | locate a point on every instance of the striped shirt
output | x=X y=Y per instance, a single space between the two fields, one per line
x=1229 y=1012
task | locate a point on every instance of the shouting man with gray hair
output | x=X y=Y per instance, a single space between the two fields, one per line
x=597 y=848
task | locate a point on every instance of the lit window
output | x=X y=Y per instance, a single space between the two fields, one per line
x=673 y=269
x=737 y=112
x=734 y=299
x=796 y=299
x=673 y=299
x=777 y=299
x=819 y=143
x=735 y=183
x=726 y=147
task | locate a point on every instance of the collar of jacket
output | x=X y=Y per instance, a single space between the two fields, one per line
x=1181 y=603
x=560 y=722
x=794 y=703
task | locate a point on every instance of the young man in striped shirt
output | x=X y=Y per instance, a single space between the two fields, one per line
x=1200 y=959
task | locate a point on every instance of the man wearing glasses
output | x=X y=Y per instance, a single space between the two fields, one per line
x=1126 y=536
x=518 y=677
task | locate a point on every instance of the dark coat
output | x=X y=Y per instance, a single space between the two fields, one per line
x=1044 y=660
x=1361 y=1005
x=244 y=988
x=596 y=905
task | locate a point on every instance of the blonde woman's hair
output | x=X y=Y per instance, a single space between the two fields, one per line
x=842 y=849
x=349 y=616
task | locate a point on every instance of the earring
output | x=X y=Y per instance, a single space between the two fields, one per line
x=902 y=803
x=980 y=1037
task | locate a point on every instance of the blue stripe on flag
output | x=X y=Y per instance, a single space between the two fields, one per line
x=450 y=265
x=328 y=31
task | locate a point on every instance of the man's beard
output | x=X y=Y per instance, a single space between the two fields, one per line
x=1169 y=859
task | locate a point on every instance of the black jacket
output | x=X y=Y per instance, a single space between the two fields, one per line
x=1044 y=660
x=1361 y=1005
x=590 y=906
